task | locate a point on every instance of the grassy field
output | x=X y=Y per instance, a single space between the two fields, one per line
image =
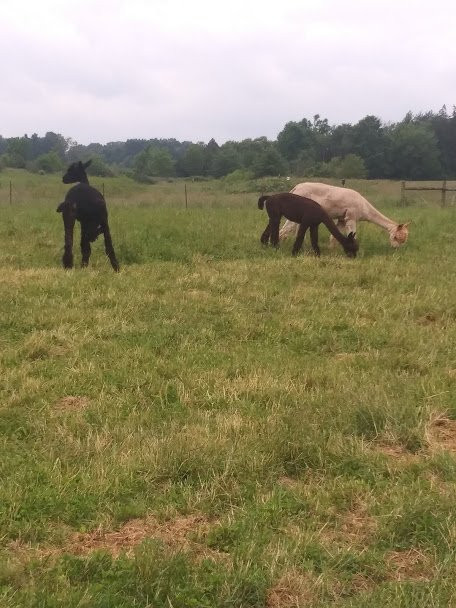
x=221 y=425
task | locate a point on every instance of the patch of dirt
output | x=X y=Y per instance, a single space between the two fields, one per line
x=71 y=403
x=409 y=565
x=293 y=590
x=174 y=533
x=342 y=356
x=357 y=526
x=288 y=482
x=348 y=356
x=439 y=485
x=427 y=319
x=397 y=452
x=360 y=584
x=23 y=552
x=441 y=433
x=197 y=294
x=354 y=527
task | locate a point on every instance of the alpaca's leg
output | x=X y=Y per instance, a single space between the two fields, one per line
x=314 y=239
x=275 y=225
x=109 y=248
x=85 y=245
x=341 y=224
x=68 y=223
x=299 y=239
x=288 y=228
x=266 y=234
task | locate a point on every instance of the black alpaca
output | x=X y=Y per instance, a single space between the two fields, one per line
x=308 y=214
x=87 y=205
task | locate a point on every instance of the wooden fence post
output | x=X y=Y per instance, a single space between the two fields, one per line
x=102 y=188
x=403 y=194
x=444 y=185
x=186 y=202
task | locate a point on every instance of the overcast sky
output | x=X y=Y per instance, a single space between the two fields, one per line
x=100 y=71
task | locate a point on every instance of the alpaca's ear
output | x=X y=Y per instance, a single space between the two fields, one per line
x=352 y=235
x=88 y=163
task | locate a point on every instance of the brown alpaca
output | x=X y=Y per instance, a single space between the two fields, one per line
x=308 y=214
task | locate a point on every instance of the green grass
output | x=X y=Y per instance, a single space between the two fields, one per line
x=279 y=429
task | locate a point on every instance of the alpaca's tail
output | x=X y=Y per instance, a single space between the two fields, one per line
x=60 y=207
x=261 y=201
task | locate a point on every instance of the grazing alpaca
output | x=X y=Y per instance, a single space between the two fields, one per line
x=337 y=201
x=308 y=214
x=87 y=205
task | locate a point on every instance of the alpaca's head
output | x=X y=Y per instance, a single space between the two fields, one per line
x=399 y=235
x=351 y=245
x=76 y=173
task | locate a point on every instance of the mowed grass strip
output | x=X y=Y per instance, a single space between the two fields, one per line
x=223 y=425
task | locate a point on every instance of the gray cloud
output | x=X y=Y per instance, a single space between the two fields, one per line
x=99 y=71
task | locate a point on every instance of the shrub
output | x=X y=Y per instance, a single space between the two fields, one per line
x=48 y=163
x=238 y=175
x=351 y=166
x=99 y=168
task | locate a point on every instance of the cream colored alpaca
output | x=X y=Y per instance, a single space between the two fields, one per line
x=347 y=207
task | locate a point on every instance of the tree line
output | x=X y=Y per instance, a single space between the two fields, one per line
x=421 y=146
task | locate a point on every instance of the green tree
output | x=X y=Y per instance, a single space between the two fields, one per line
x=54 y=142
x=269 y=162
x=304 y=164
x=161 y=162
x=17 y=152
x=342 y=140
x=225 y=161
x=302 y=139
x=444 y=127
x=370 y=142
x=250 y=149
x=291 y=141
x=415 y=153
x=194 y=161
x=153 y=162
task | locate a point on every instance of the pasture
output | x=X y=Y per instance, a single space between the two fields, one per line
x=219 y=424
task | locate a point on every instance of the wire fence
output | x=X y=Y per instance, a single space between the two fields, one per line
x=31 y=190
x=443 y=189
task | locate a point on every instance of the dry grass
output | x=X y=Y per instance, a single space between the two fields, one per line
x=180 y=534
x=293 y=590
x=441 y=433
x=71 y=403
x=411 y=565
x=397 y=453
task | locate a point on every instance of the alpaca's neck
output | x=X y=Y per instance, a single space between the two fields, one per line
x=372 y=215
x=334 y=230
x=84 y=179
